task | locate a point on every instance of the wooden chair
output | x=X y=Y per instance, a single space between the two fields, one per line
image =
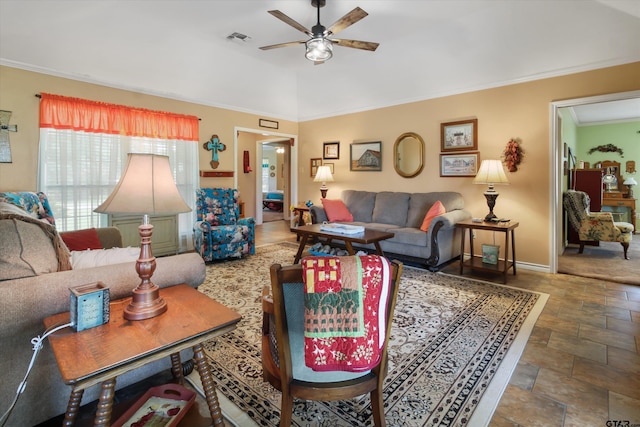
x=283 y=349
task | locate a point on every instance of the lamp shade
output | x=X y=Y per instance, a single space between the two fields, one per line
x=630 y=181
x=323 y=174
x=491 y=172
x=146 y=187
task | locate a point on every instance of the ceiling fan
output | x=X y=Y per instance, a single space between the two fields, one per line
x=320 y=46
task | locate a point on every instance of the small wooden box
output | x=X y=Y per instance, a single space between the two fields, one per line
x=89 y=306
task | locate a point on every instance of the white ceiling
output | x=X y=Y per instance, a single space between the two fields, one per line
x=428 y=49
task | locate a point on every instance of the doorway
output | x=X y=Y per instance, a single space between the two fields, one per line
x=557 y=168
x=290 y=178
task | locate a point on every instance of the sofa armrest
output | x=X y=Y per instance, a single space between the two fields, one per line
x=318 y=215
x=25 y=302
x=110 y=237
x=450 y=219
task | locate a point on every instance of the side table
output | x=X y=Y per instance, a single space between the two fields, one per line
x=475 y=261
x=100 y=354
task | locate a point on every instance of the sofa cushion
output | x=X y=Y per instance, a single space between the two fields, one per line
x=26 y=250
x=336 y=210
x=95 y=258
x=360 y=204
x=80 y=240
x=436 y=210
x=391 y=208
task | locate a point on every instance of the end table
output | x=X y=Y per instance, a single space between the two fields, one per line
x=99 y=355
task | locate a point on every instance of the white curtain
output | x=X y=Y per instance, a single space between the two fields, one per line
x=78 y=170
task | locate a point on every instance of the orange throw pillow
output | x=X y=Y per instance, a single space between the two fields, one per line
x=336 y=210
x=436 y=210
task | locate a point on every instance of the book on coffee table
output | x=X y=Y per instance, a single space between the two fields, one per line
x=342 y=228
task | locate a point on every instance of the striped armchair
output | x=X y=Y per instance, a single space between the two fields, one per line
x=595 y=226
x=219 y=233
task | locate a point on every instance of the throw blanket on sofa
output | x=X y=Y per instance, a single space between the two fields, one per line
x=576 y=203
x=14 y=213
x=345 y=311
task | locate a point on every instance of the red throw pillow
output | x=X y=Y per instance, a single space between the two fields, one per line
x=81 y=240
x=436 y=210
x=336 y=210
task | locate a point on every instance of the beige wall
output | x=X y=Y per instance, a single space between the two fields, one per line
x=518 y=111
x=17 y=94
x=515 y=111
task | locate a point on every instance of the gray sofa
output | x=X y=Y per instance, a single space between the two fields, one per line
x=402 y=214
x=26 y=301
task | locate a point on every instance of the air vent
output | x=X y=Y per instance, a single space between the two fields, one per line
x=238 y=36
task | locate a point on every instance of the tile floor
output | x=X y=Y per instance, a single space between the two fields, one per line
x=581 y=365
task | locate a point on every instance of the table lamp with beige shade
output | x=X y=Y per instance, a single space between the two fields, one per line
x=145 y=188
x=492 y=173
x=323 y=175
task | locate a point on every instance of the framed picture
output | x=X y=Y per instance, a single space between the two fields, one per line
x=366 y=156
x=330 y=167
x=331 y=150
x=459 y=136
x=459 y=164
x=313 y=168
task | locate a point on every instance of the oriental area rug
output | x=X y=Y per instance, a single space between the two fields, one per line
x=453 y=347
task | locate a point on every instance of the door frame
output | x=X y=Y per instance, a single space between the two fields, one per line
x=556 y=241
x=293 y=166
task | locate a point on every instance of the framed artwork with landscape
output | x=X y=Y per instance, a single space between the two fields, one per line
x=459 y=164
x=366 y=156
x=459 y=136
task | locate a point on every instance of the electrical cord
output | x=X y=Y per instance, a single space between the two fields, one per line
x=37 y=345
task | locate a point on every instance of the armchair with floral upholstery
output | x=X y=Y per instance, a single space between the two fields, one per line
x=595 y=226
x=219 y=232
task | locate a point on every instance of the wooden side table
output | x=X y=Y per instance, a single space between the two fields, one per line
x=300 y=210
x=475 y=262
x=100 y=354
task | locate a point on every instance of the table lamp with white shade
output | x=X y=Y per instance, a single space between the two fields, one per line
x=323 y=175
x=146 y=188
x=630 y=182
x=491 y=172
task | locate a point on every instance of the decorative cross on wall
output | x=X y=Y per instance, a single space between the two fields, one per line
x=214 y=145
x=5 y=128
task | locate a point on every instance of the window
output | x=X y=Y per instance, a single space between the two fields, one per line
x=80 y=165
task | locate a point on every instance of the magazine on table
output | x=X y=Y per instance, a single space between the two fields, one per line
x=341 y=228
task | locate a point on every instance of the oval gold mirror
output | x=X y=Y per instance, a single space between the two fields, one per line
x=408 y=154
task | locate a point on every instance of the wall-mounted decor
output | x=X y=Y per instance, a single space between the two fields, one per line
x=459 y=136
x=608 y=148
x=331 y=150
x=271 y=124
x=512 y=155
x=330 y=167
x=5 y=128
x=366 y=156
x=313 y=167
x=630 y=166
x=459 y=164
x=214 y=145
x=245 y=161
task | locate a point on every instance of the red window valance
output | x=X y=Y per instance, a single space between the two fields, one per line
x=61 y=112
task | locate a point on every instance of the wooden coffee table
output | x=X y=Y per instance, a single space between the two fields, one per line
x=100 y=354
x=365 y=238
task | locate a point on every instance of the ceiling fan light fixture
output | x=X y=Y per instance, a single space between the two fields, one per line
x=319 y=49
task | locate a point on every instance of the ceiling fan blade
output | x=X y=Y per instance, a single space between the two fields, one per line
x=284 y=18
x=275 y=46
x=349 y=19
x=356 y=44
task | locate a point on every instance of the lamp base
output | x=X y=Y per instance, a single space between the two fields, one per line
x=491 y=197
x=146 y=302
x=323 y=192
